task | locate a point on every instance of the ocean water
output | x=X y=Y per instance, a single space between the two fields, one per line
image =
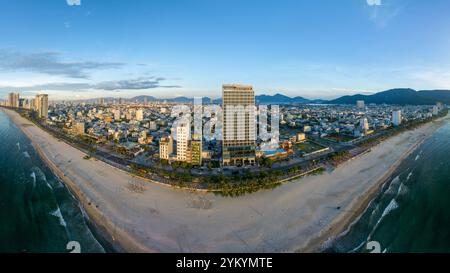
x=37 y=212
x=412 y=211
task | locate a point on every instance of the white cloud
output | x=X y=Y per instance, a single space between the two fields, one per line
x=78 y=2
x=374 y=2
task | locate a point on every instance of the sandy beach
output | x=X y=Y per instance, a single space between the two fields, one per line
x=296 y=217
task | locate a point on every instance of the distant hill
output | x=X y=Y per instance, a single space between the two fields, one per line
x=279 y=99
x=260 y=99
x=276 y=99
x=400 y=96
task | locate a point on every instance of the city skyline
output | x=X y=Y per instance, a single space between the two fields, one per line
x=85 y=49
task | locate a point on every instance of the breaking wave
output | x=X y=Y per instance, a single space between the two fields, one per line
x=57 y=213
x=33 y=175
x=402 y=190
x=409 y=176
x=393 y=183
x=392 y=206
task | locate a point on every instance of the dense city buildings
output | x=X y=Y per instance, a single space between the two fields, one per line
x=239 y=144
x=147 y=133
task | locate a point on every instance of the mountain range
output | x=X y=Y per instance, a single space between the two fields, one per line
x=398 y=96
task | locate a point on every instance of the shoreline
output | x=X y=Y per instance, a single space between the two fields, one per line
x=343 y=225
x=124 y=238
x=106 y=230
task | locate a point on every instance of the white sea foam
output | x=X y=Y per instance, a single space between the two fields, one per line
x=358 y=247
x=41 y=176
x=409 y=176
x=18 y=145
x=57 y=213
x=392 y=206
x=393 y=183
x=402 y=189
x=33 y=175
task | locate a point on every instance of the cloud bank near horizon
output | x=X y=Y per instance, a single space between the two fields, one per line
x=143 y=83
x=50 y=63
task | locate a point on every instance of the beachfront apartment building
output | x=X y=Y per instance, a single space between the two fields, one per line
x=13 y=100
x=396 y=117
x=364 y=124
x=182 y=141
x=165 y=147
x=41 y=106
x=196 y=150
x=239 y=124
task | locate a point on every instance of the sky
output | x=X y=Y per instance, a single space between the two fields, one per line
x=76 y=49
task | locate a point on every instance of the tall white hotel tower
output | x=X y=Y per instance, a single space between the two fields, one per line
x=396 y=117
x=239 y=135
x=182 y=141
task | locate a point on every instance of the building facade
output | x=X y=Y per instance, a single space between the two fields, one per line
x=396 y=117
x=13 y=100
x=165 y=147
x=182 y=141
x=41 y=106
x=239 y=135
x=196 y=150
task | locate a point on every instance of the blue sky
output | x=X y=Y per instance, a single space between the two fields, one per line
x=316 y=49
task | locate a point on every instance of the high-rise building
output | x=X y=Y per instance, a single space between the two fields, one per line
x=41 y=105
x=182 y=140
x=364 y=124
x=239 y=135
x=139 y=115
x=33 y=104
x=196 y=150
x=165 y=147
x=360 y=104
x=13 y=100
x=396 y=117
